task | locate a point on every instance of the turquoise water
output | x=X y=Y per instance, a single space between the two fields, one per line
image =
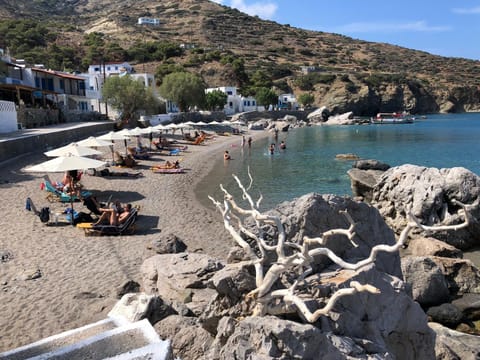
x=309 y=165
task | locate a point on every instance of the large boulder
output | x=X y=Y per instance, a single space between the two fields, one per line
x=428 y=246
x=454 y=345
x=181 y=277
x=429 y=286
x=273 y=338
x=430 y=194
x=313 y=214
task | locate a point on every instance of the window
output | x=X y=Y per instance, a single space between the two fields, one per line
x=62 y=84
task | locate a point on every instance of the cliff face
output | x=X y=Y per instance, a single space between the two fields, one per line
x=412 y=97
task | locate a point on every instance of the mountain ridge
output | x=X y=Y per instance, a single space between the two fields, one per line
x=421 y=82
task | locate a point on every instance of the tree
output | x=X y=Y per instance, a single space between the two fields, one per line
x=184 y=89
x=215 y=99
x=266 y=97
x=306 y=99
x=128 y=96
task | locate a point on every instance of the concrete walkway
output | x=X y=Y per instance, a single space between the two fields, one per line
x=46 y=138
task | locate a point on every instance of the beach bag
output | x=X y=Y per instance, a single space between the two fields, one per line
x=44 y=214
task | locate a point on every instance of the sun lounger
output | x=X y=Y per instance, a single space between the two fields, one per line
x=53 y=194
x=126 y=227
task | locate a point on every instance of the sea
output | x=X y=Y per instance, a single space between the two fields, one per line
x=310 y=163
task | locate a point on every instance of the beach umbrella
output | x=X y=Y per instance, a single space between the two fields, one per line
x=94 y=142
x=113 y=135
x=117 y=135
x=189 y=123
x=201 y=123
x=67 y=163
x=73 y=149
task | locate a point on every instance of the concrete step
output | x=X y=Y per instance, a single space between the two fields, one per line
x=106 y=339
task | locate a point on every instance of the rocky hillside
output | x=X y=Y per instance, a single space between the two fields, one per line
x=349 y=74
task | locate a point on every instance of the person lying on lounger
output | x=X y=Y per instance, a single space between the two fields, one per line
x=107 y=172
x=116 y=214
x=168 y=165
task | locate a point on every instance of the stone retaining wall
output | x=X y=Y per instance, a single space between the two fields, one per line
x=23 y=142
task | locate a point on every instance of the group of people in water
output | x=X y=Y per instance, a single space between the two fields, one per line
x=271 y=147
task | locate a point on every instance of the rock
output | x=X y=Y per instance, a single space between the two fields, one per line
x=273 y=338
x=427 y=246
x=135 y=307
x=168 y=244
x=430 y=194
x=370 y=164
x=363 y=181
x=313 y=214
x=451 y=344
x=429 y=286
x=180 y=277
x=469 y=305
x=342 y=119
x=31 y=274
x=129 y=287
x=462 y=276
x=319 y=115
x=347 y=157
x=231 y=283
x=391 y=320
x=446 y=314
x=189 y=340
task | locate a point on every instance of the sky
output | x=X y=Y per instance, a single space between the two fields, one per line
x=440 y=27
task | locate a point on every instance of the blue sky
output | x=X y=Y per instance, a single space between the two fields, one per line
x=440 y=27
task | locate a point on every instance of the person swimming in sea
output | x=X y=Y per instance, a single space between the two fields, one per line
x=282 y=145
x=271 y=148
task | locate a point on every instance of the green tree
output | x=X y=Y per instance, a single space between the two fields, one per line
x=129 y=97
x=215 y=99
x=306 y=99
x=266 y=97
x=184 y=89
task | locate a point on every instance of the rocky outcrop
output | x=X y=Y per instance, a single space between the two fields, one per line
x=364 y=175
x=219 y=322
x=453 y=345
x=431 y=195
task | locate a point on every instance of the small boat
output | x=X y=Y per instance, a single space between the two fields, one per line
x=392 y=118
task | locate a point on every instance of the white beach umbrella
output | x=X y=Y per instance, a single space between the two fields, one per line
x=148 y=130
x=73 y=149
x=94 y=142
x=201 y=123
x=113 y=135
x=189 y=123
x=117 y=135
x=214 y=123
x=136 y=131
x=160 y=127
x=66 y=163
x=226 y=123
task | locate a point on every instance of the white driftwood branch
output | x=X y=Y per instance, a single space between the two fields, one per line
x=267 y=272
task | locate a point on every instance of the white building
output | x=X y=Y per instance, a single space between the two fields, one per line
x=287 y=102
x=235 y=102
x=148 y=21
x=98 y=73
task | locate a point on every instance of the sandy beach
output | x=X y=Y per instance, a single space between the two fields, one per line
x=78 y=276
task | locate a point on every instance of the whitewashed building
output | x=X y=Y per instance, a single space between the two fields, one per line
x=235 y=102
x=148 y=21
x=287 y=102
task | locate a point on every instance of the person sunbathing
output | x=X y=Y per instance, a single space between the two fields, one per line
x=167 y=165
x=116 y=214
x=138 y=153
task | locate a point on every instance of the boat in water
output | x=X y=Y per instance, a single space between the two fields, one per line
x=393 y=118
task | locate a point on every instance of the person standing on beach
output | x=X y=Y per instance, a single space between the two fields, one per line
x=243 y=141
